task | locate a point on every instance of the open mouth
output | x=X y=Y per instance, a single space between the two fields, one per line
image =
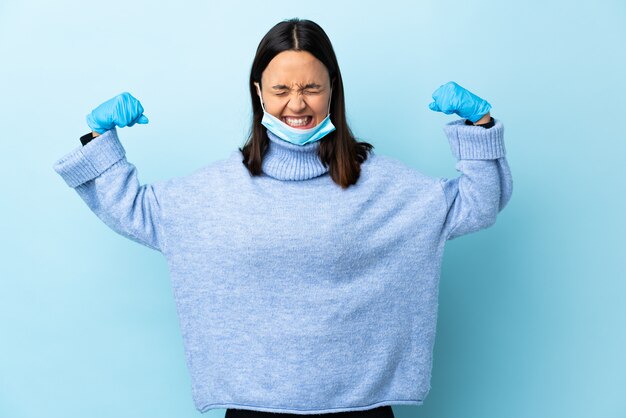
x=303 y=122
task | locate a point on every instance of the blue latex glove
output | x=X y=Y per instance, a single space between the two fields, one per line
x=452 y=98
x=122 y=110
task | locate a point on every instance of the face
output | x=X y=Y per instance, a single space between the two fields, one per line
x=296 y=89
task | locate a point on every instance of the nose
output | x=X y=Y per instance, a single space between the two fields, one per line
x=296 y=103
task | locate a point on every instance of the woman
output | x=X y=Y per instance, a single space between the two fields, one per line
x=304 y=266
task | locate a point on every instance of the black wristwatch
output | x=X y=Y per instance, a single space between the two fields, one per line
x=487 y=125
x=86 y=138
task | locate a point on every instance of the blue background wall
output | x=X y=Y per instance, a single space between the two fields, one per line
x=531 y=319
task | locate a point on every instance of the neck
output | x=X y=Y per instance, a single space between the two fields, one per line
x=286 y=161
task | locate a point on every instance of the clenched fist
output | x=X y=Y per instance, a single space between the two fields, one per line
x=122 y=110
x=452 y=98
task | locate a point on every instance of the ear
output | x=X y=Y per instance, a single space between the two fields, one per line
x=258 y=89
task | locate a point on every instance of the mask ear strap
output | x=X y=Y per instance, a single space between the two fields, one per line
x=258 y=90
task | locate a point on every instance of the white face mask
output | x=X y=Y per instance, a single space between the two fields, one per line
x=295 y=135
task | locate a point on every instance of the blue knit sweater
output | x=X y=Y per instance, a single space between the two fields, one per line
x=294 y=295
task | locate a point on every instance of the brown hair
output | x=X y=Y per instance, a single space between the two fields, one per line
x=339 y=150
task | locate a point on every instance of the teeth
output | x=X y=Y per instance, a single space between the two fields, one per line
x=297 y=121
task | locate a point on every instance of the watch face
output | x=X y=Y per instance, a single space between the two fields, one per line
x=86 y=138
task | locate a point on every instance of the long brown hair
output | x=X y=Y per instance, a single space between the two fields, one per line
x=339 y=150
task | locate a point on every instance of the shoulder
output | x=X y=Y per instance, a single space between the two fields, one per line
x=224 y=166
x=206 y=176
x=388 y=167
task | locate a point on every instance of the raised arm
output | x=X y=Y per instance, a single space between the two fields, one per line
x=107 y=182
x=485 y=184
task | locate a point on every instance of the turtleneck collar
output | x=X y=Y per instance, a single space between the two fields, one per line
x=286 y=161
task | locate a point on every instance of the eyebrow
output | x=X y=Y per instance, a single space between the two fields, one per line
x=308 y=86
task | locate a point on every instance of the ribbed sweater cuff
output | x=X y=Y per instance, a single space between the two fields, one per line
x=475 y=142
x=89 y=161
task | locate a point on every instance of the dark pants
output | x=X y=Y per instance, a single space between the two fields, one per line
x=380 y=412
